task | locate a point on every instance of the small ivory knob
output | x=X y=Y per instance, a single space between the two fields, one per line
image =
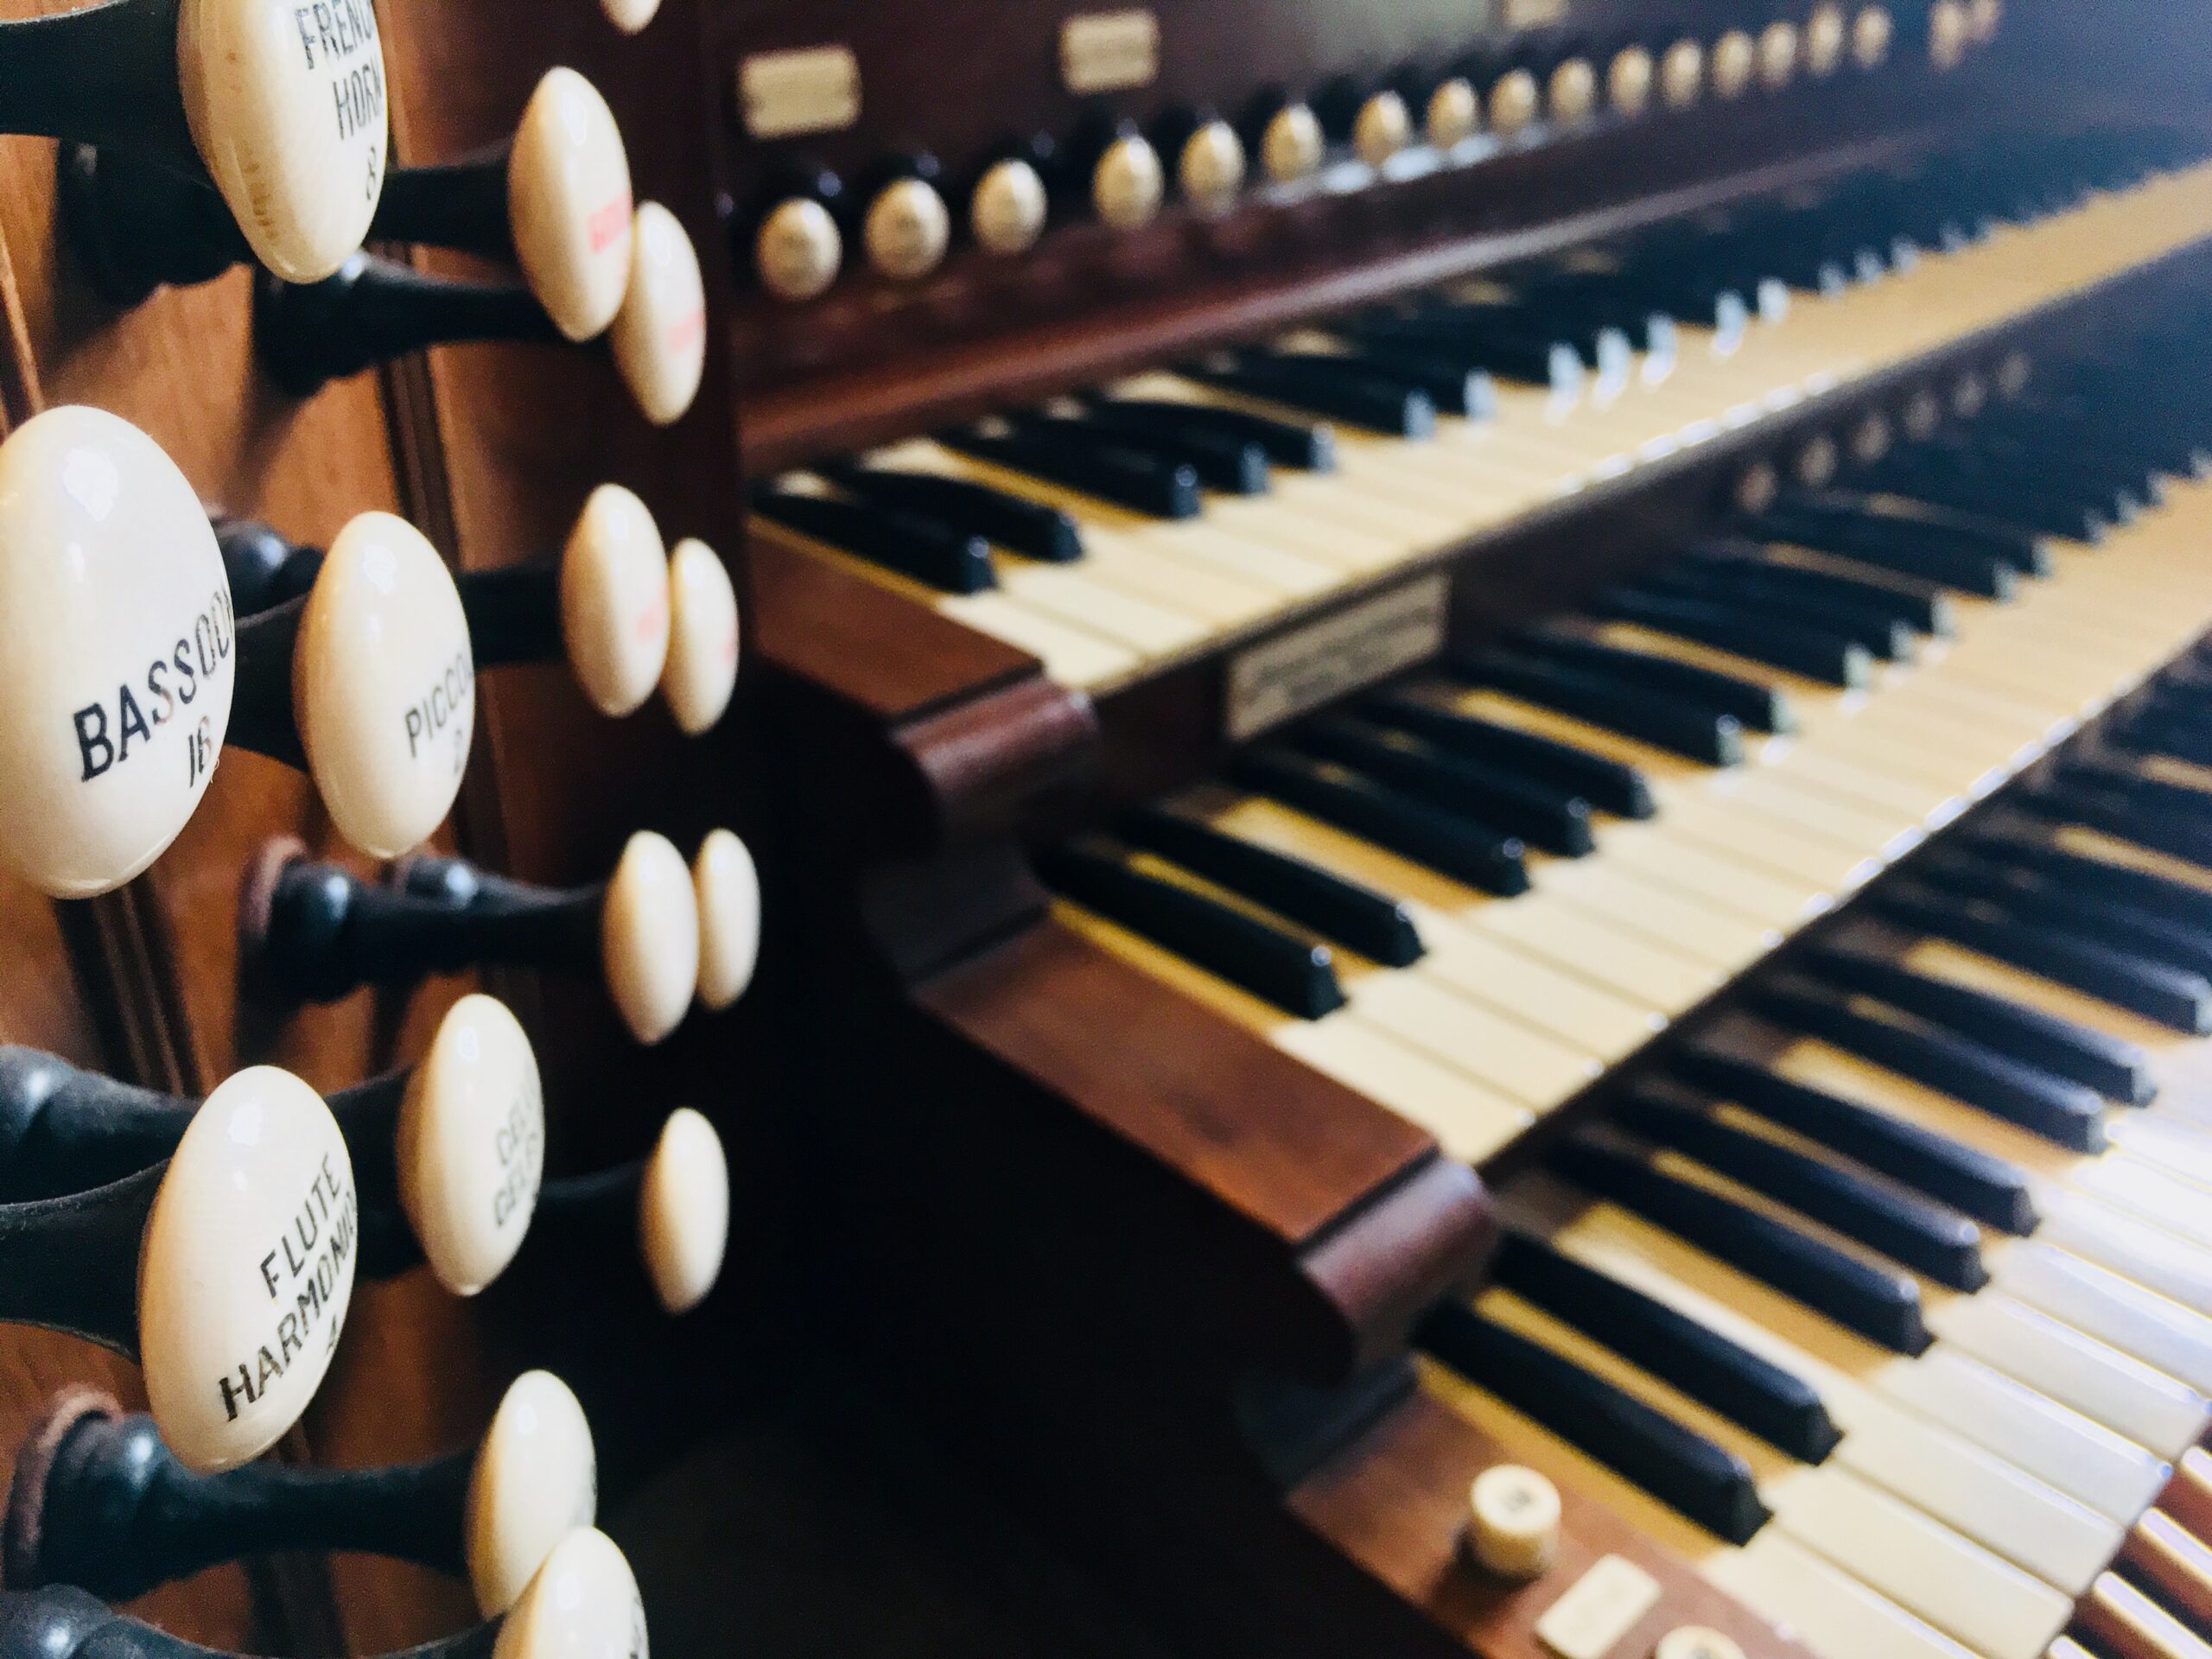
x=119 y=671
x=1948 y=34
x=1817 y=461
x=569 y=204
x=649 y=937
x=1872 y=31
x=1629 y=80
x=729 y=889
x=1126 y=185
x=659 y=336
x=1735 y=60
x=630 y=16
x=1826 y=35
x=1209 y=169
x=1573 y=93
x=614 y=601
x=1984 y=17
x=906 y=230
x=797 y=249
x=1383 y=128
x=384 y=685
x=1681 y=74
x=247 y=1269
x=535 y=1479
x=287 y=109
x=583 y=1603
x=1291 y=144
x=1514 y=101
x=1007 y=213
x=471 y=1144
x=703 y=641
x=684 y=1211
x=1454 y=113
x=1513 y=1529
x=1695 y=1642
x=1778 y=55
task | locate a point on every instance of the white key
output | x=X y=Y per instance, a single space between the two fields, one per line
x=1837 y=1617
x=2102 y=1304
x=2134 y=1249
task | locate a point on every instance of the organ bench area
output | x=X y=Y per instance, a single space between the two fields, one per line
x=1509 y=840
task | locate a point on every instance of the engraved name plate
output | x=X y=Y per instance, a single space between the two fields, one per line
x=1298 y=672
x=1109 y=51
x=809 y=89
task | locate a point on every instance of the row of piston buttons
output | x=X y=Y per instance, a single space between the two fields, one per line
x=1119 y=171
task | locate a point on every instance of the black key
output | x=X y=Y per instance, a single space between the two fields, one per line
x=1705 y=1481
x=1545 y=816
x=1920 y=527
x=1337 y=387
x=1452 y=845
x=1287 y=443
x=1881 y=635
x=1968 y=570
x=1358 y=917
x=2103 y=775
x=2147 y=732
x=1816 y=653
x=2180 y=1001
x=1089 y=462
x=1233 y=466
x=1295 y=975
x=1460 y=389
x=1471 y=342
x=1761 y=707
x=1608 y=785
x=927 y=549
x=2051 y=1106
x=1919 y=606
x=1971 y=1181
x=2028 y=897
x=2185 y=833
x=1781 y=1408
x=1028 y=528
x=1924 y=1236
x=1994 y=496
x=2118 y=1070
x=1675 y=724
x=2093 y=878
x=1879 y=1304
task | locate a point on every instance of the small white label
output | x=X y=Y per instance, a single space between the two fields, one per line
x=1606 y=1604
x=1534 y=14
x=1109 y=51
x=809 y=89
x=1285 y=677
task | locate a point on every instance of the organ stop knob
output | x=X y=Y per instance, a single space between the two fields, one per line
x=1127 y=179
x=1007 y=210
x=907 y=227
x=798 y=245
x=1287 y=136
x=1513 y=1529
x=1451 y=113
x=1209 y=157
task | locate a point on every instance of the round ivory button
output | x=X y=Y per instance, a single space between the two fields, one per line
x=729 y=889
x=660 y=334
x=1513 y=1529
x=1383 y=128
x=1514 y=101
x=1126 y=184
x=630 y=16
x=471 y=1144
x=568 y=203
x=1454 y=113
x=1007 y=213
x=1681 y=74
x=1573 y=93
x=1984 y=17
x=583 y=1603
x=247 y=1269
x=1827 y=34
x=1947 y=34
x=1629 y=80
x=1695 y=1642
x=384 y=685
x=1735 y=60
x=535 y=1479
x=119 y=672
x=649 y=937
x=1871 y=33
x=1778 y=55
x=703 y=640
x=797 y=249
x=684 y=1211
x=287 y=109
x=614 y=601
x=1209 y=169
x=906 y=230
x=1291 y=144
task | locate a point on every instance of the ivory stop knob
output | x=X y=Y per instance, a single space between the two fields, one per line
x=1826 y=35
x=535 y=1480
x=286 y=105
x=684 y=1211
x=1949 y=34
x=630 y=16
x=649 y=937
x=1513 y=1529
x=615 y=620
x=1681 y=74
x=1126 y=184
x=1454 y=113
x=246 y=1270
x=1383 y=128
x=1292 y=143
x=569 y=204
x=906 y=230
x=728 y=888
x=119 y=669
x=384 y=685
x=1209 y=167
x=659 y=334
x=1872 y=31
x=1629 y=80
x=583 y=1603
x=1777 y=54
x=471 y=1144
x=702 y=640
x=1006 y=212
x=1514 y=101
x=1572 y=93
x=797 y=249
x=1735 y=60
